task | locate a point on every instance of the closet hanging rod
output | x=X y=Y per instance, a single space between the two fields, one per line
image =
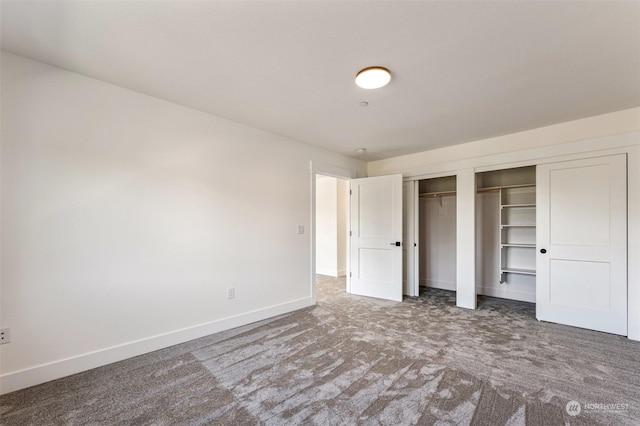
x=437 y=194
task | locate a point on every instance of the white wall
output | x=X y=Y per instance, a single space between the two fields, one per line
x=438 y=242
x=331 y=225
x=125 y=218
x=488 y=254
x=439 y=160
x=465 y=239
x=326 y=226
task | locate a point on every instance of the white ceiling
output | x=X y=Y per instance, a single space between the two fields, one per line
x=462 y=71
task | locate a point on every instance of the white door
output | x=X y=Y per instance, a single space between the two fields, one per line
x=409 y=246
x=376 y=237
x=581 y=238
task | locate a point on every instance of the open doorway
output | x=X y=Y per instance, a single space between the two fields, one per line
x=319 y=170
x=331 y=226
x=506 y=233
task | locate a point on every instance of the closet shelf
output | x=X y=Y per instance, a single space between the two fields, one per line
x=497 y=188
x=518 y=245
x=518 y=271
x=518 y=206
x=517 y=226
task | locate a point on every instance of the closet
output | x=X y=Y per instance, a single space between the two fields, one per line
x=506 y=233
x=437 y=232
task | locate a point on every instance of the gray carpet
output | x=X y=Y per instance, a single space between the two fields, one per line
x=352 y=360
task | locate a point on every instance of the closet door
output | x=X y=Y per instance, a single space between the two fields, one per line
x=582 y=243
x=410 y=274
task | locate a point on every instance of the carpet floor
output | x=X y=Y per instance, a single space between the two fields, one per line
x=354 y=360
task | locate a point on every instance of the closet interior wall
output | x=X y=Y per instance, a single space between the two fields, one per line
x=505 y=234
x=437 y=232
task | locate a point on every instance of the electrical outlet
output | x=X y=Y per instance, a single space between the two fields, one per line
x=300 y=229
x=5 y=335
x=231 y=293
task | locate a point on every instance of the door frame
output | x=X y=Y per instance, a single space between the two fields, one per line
x=464 y=299
x=316 y=169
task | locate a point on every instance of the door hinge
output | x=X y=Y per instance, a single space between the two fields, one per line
x=350 y=234
x=350 y=274
x=350 y=192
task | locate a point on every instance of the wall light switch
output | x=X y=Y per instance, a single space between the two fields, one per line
x=300 y=229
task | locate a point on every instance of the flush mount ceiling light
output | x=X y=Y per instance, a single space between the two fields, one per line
x=361 y=150
x=373 y=77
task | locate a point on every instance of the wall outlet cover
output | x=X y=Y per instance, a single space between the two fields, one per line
x=5 y=335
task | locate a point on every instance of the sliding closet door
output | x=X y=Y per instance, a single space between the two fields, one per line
x=582 y=243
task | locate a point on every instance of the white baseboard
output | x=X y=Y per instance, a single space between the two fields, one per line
x=342 y=272
x=443 y=285
x=326 y=271
x=32 y=376
x=505 y=293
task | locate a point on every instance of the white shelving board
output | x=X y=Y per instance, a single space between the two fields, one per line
x=517 y=230
x=519 y=271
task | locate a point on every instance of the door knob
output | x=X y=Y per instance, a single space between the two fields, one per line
x=543 y=251
x=397 y=244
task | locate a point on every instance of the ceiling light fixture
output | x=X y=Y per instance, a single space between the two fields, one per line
x=373 y=77
x=361 y=150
